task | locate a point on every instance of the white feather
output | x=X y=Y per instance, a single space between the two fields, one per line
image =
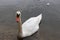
x=18 y=12
x=30 y=26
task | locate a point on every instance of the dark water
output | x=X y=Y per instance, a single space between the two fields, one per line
x=49 y=28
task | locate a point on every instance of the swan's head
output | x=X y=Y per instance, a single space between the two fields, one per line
x=18 y=15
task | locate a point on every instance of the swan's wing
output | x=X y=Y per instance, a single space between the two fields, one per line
x=29 y=27
x=30 y=32
x=29 y=24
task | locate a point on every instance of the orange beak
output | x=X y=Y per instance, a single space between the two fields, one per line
x=17 y=18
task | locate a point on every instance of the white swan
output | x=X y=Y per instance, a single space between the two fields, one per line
x=30 y=26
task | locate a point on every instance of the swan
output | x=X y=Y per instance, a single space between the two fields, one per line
x=29 y=27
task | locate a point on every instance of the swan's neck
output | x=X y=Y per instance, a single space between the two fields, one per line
x=19 y=27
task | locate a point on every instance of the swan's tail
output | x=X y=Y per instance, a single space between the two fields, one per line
x=39 y=17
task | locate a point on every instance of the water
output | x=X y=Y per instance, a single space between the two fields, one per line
x=49 y=28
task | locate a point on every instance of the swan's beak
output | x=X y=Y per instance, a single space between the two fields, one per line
x=18 y=16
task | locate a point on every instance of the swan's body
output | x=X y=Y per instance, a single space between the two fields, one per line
x=30 y=26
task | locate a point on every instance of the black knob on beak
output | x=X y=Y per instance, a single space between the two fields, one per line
x=18 y=15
